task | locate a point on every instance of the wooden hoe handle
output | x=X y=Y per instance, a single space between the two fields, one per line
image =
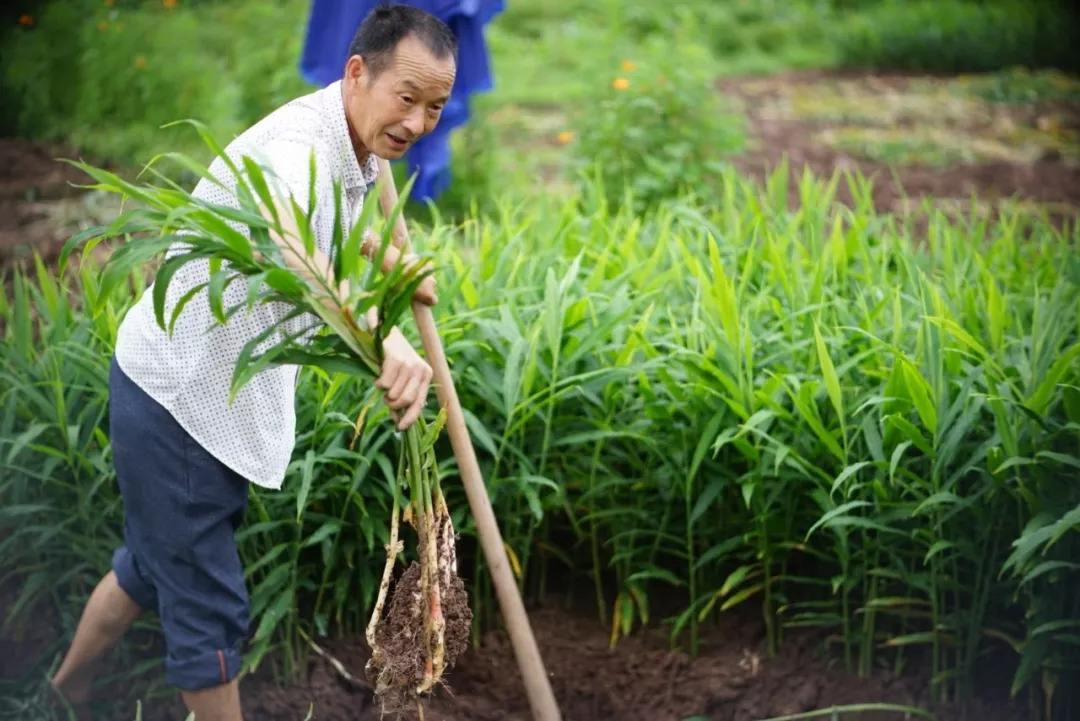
x=537 y=685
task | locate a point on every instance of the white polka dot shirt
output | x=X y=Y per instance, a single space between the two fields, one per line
x=190 y=373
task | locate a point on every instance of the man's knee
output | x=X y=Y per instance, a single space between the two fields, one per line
x=118 y=609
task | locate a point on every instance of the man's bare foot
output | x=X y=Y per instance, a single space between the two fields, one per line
x=72 y=697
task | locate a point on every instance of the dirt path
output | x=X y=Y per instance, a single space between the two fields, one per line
x=917 y=137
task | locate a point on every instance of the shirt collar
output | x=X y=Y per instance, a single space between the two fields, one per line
x=353 y=175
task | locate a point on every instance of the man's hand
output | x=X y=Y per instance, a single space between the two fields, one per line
x=405 y=379
x=425 y=292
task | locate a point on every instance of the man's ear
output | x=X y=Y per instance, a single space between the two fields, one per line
x=356 y=70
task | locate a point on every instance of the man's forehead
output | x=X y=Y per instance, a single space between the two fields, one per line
x=416 y=64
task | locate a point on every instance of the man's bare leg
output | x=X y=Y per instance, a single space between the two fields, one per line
x=108 y=615
x=220 y=703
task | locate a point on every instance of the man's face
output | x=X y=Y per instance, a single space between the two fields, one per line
x=388 y=113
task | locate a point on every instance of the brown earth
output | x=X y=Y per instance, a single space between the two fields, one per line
x=35 y=193
x=641 y=680
x=22 y=643
x=783 y=124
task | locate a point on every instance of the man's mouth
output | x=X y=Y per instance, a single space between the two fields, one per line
x=398 y=142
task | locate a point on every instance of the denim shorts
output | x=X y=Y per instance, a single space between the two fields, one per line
x=181 y=510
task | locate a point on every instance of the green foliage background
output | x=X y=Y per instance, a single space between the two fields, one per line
x=686 y=396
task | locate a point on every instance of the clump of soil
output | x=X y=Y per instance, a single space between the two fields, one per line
x=400 y=636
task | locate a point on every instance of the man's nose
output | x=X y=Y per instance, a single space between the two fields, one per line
x=414 y=122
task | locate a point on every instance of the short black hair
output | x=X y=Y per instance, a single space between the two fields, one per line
x=386 y=26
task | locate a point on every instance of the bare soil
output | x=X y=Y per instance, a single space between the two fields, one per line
x=36 y=190
x=641 y=680
x=1024 y=153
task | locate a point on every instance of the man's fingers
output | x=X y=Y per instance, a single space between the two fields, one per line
x=407 y=396
x=404 y=378
x=417 y=407
x=389 y=374
x=411 y=415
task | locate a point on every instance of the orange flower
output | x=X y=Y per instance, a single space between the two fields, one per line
x=102 y=26
x=565 y=137
x=629 y=66
x=26 y=20
x=169 y=4
x=620 y=83
x=140 y=62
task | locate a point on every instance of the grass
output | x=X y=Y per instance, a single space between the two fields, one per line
x=962 y=36
x=730 y=402
x=105 y=79
x=1020 y=87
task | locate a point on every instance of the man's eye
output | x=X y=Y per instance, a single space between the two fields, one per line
x=407 y=99
x=435 y=109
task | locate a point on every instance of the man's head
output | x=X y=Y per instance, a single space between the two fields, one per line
x=398 y=78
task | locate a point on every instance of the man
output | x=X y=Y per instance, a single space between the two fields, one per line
x=329 y=37
x=184 y=454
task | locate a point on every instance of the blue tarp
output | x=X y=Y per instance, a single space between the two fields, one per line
x=331 y=28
